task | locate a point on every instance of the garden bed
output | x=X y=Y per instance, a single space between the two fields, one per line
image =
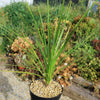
x=81 y=56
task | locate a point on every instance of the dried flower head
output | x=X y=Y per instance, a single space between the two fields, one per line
x=20 y=44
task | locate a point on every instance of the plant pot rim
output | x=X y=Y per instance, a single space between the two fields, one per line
x=43 y=98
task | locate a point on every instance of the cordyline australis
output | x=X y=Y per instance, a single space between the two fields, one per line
x=51 y=47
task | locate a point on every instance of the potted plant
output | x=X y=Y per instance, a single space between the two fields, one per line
x=50 y=46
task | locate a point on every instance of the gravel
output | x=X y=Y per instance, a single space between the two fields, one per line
x=40 y=89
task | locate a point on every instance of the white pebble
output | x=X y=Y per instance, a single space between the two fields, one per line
x=65 y=64
x=71 y=78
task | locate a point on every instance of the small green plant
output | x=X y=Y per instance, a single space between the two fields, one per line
x=50 y=48
x=92 y=71
x=89 y=65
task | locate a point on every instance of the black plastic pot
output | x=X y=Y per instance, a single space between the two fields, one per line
x=34 y=97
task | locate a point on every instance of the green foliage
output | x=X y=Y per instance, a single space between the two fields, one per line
x=15 y=17
x=4 y=40
x=76 y=9
x=5 y=34
x=89 y=65
x=83 y=2
x=87 y=52
x=1 y=45
x=98 y=12
x=86 y=27
x=17 y=13
x=97 y=31
x=92 y=70
x=51 y=2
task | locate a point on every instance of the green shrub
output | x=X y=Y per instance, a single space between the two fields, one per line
x=98 y=12
x=92 y=70
x=89 y=65
x=4 y=33
x=86 y=27
x=17 y=13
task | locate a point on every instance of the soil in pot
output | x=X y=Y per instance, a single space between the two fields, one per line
x=39 y=89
